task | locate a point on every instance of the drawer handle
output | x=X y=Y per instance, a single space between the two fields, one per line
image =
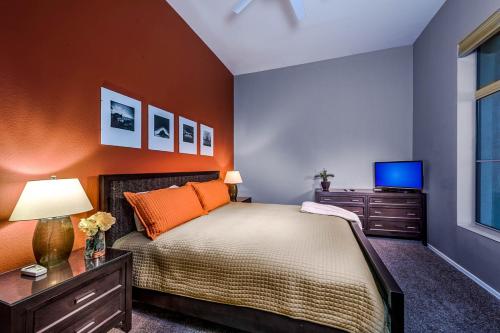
x=377 y=212
x=326 y=199
x=410 y=227
x=411 y=214
x=356 y=211
x=377 y=201
x=84 y=328
x=354 y=200
x=84 y=297
x=378 y=225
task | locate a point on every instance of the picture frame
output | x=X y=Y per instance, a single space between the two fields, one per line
x=120 y=120
x=206 y=140
x=160 y=129
x=188 y=136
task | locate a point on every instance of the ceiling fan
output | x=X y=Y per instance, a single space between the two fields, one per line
x=297 y=5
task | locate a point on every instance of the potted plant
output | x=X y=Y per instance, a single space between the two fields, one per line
x=324 y=175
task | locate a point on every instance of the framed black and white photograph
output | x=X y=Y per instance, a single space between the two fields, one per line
x=120 y=120
x=160 y=129
x=206 y=140
x=187 y=136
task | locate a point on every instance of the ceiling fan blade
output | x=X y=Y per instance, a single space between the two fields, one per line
x=298 y=8
x=242 y=4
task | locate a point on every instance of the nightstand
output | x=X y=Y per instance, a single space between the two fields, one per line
x=244 y=199
x=77 y=296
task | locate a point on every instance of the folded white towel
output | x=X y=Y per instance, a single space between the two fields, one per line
x=316 y=208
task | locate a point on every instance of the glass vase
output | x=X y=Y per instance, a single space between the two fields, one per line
x=95 y=246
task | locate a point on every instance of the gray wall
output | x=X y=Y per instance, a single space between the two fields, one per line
x=341 y=114
x=435 y=134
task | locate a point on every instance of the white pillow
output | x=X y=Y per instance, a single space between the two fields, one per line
x=138 y=224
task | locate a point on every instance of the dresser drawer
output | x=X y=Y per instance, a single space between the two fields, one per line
x=397 y=226
x=75 y=300
x=394 y=201
x=358 y=210
x=401 y=213
x=341 y=199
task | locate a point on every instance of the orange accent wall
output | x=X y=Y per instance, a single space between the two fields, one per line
x=55 y=56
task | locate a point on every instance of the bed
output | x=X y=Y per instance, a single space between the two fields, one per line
x=256 y=267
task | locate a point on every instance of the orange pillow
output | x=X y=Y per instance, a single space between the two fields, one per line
x=164 y=209
x=212 y=194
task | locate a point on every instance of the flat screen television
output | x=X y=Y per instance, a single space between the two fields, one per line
x=402 y=175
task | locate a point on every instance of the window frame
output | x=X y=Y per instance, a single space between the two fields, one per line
x=481 y=94
x=468 y=96
x=481 y=34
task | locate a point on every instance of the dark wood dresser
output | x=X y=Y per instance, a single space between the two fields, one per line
x=78 y=296
x=395 y=214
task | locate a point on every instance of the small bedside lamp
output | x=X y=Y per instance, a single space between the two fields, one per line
x=233 y=178
x=51 y=202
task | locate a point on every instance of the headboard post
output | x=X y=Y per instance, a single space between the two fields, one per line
x=112 y=187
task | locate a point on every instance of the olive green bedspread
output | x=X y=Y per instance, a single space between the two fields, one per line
x=268 y=257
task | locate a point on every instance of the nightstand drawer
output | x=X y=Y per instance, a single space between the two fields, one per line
x=396 y=226
x=75 y=300
x=341 y=199
x=394 y=201
x=95 y=318
x=401 y=213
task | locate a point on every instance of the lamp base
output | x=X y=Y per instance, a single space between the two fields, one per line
x=53 y=240
x=233 y=192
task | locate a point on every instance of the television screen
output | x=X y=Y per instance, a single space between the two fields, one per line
x=406 y=175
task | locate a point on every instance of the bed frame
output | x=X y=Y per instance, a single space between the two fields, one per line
x=247 y=319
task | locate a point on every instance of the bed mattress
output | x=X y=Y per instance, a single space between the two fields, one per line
x=268 y=257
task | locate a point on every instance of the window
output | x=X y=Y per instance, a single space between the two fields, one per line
x=478 y=130
x=488 y=133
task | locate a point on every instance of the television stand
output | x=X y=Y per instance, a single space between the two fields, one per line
x=382 y=213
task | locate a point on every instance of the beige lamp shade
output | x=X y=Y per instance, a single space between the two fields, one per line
x=51 y=198
x=233 y=177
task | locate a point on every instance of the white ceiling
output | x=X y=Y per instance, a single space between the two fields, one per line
x=267 y=35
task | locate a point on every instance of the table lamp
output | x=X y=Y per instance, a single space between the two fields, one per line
x=51 y=202
x=233 y=178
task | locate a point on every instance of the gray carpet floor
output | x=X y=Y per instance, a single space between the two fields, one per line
x=438 y=298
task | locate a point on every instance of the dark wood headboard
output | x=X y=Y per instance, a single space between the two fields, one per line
x=112 y=187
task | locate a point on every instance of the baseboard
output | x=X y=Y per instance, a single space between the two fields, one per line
x=474 y=278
